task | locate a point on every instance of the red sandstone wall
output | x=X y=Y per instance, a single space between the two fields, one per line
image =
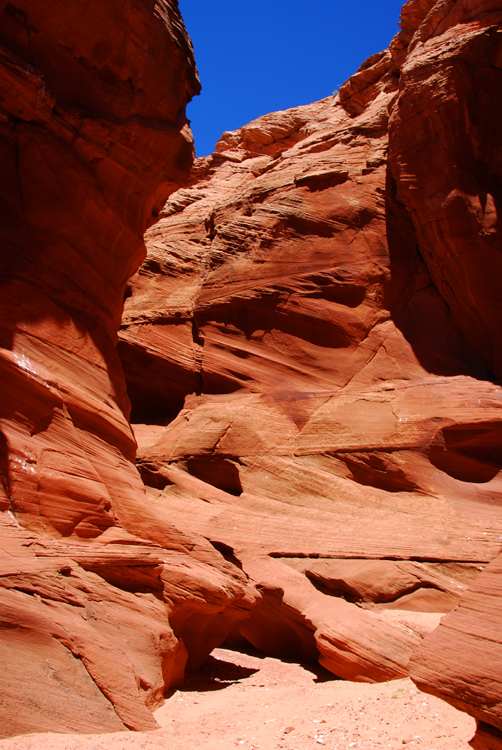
x=318 y=322
x=93 y=139
x=310 y=348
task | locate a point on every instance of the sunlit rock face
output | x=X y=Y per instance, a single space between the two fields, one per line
x=93 y=139
x=311 y=348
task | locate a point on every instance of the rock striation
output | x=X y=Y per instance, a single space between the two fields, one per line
x=94 y=139
x=99 y=596
x=311 y=353
x=311 y=348
x=448 y=98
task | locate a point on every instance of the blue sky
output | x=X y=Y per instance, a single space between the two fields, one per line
x=259 y=56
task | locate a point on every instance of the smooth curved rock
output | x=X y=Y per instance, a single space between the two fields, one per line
x=93 y=139
x=295 y=621
x=449 y=173
x=392 y=585
x=302 y=384
x=449 y=180
x=310 y=349
x=471 y=683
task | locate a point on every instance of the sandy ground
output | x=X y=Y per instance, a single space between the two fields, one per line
x=252 y=702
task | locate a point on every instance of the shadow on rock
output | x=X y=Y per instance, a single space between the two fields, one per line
x=216 y=674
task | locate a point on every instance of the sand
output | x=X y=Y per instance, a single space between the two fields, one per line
x=256 y=703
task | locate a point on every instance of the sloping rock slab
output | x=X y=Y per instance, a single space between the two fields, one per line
x=296 y=621
x=473 y=684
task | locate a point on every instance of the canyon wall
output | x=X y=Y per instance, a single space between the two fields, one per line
x=93 y=139
x=312 y=352
x=450 y=179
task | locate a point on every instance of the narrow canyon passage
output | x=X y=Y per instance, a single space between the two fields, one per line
x=267 y=433
x=254 y=702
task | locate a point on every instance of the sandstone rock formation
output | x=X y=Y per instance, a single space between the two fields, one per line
x=460 y=661
x=94 y=586
x=449 y=98
x=311 y=348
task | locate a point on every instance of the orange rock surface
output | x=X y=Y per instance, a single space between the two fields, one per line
x=449 y=178
x=311 y=348
x=95 y=588
x=94 y=139
x=460 y=661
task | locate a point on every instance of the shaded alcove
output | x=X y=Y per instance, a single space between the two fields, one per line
x=417 y=308
x=469 y=452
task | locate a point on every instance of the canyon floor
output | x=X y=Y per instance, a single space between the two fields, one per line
x=259 y=703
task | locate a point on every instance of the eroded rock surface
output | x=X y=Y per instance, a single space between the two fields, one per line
x=449 y=100
x=471 y=683
x=311 y=346
x=99 y=596
x=311 y=351
x=94 y=139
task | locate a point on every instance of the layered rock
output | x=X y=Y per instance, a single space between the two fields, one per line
x=471 y=682
x=303 y=387
x=94 y=139
x=449 y=178
x=310 y=347
x=295 y=621
x=95 y=588
x=449 y=173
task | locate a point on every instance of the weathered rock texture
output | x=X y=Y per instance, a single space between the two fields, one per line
x=449 y=178
x=312 y=349
x=95 y=587
x=460 y=661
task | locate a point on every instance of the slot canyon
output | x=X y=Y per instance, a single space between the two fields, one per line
x=251 y=401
